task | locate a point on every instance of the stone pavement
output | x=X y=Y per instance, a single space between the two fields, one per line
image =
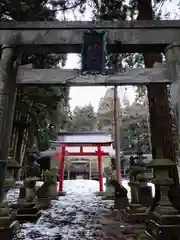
x=115 y=227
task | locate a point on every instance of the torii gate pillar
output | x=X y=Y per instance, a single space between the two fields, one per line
x=100 y=168
x=172 y=53
x=61 y=174
x=99 y=153
x=7 y=104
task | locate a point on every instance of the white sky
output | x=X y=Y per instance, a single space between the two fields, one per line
x=84 y=95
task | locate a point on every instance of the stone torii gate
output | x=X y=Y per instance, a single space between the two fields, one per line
x=66 y=37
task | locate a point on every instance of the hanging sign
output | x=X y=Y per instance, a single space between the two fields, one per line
x=94 y=53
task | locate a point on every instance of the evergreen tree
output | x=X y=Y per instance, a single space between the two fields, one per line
x=105 y=113
x=37 y=108
x=84 y=119
x=144 y=10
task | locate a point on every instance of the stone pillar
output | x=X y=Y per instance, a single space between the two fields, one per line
x=164 y=221
x=173 y=62
x=117 y=135
x=173 y=59
x=10 y=181
x=43 y=197
x=7 y=103
x=53 y=183
x=136 y=211
x=26 y=207
x=172 y=53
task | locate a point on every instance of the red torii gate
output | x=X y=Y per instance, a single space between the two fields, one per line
x=99 y=153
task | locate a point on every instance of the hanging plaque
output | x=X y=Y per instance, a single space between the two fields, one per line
x=94 y=53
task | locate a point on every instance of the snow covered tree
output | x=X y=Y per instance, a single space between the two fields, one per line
x=84 y=119
x=105 y=113
x=37 y=108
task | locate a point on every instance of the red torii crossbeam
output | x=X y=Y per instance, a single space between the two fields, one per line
x=99 y=153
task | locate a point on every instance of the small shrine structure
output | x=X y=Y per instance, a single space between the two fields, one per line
x=88 y=148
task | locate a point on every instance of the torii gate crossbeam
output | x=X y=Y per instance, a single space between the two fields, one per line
x=66 y=37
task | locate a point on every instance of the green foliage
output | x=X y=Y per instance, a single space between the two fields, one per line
x=105 y=113
x=26 y=10
x=125 y=10
x=44 y=107
x=134 y=133
x=83 y=119
x=121 y=10
x=32 y=10
x=141 y=94
x=47 y=106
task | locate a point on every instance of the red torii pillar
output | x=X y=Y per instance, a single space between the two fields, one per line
x=99 y=153
x=61 y=168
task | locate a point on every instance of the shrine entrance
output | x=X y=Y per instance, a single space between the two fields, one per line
x=116 y=37
x=78 y=169
x=63 y=153
x=94 y=41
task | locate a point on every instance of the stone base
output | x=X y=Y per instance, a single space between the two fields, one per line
x=145 y=195
x=135 y=213
x=120 y=203
x=43 y=203
x=52 y=191
x=61 y=194
x=100 y=193
x=165 y=216
x=110 y=191
x=108 y=198
x=163 y=224
x=163 y=232
x=8 y=228
x=27 y=212
x=55 y=198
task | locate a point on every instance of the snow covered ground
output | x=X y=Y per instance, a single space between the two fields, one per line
x=72 y=217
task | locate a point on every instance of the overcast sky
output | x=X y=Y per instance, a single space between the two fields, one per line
x=84 y=95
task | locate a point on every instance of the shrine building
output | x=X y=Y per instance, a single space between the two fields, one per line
x=81 y=160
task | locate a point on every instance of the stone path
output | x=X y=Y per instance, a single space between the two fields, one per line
x=116 y=227
x=78 y=216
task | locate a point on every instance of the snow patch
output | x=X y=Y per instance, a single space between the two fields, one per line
x=74 y=216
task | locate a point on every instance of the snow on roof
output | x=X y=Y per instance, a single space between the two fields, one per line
x=51 y=152
x=81 y=137
x=84 y=137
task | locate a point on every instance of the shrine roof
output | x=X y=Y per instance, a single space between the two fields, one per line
x=84 y=138
x=76 y=144
x=89 y=133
